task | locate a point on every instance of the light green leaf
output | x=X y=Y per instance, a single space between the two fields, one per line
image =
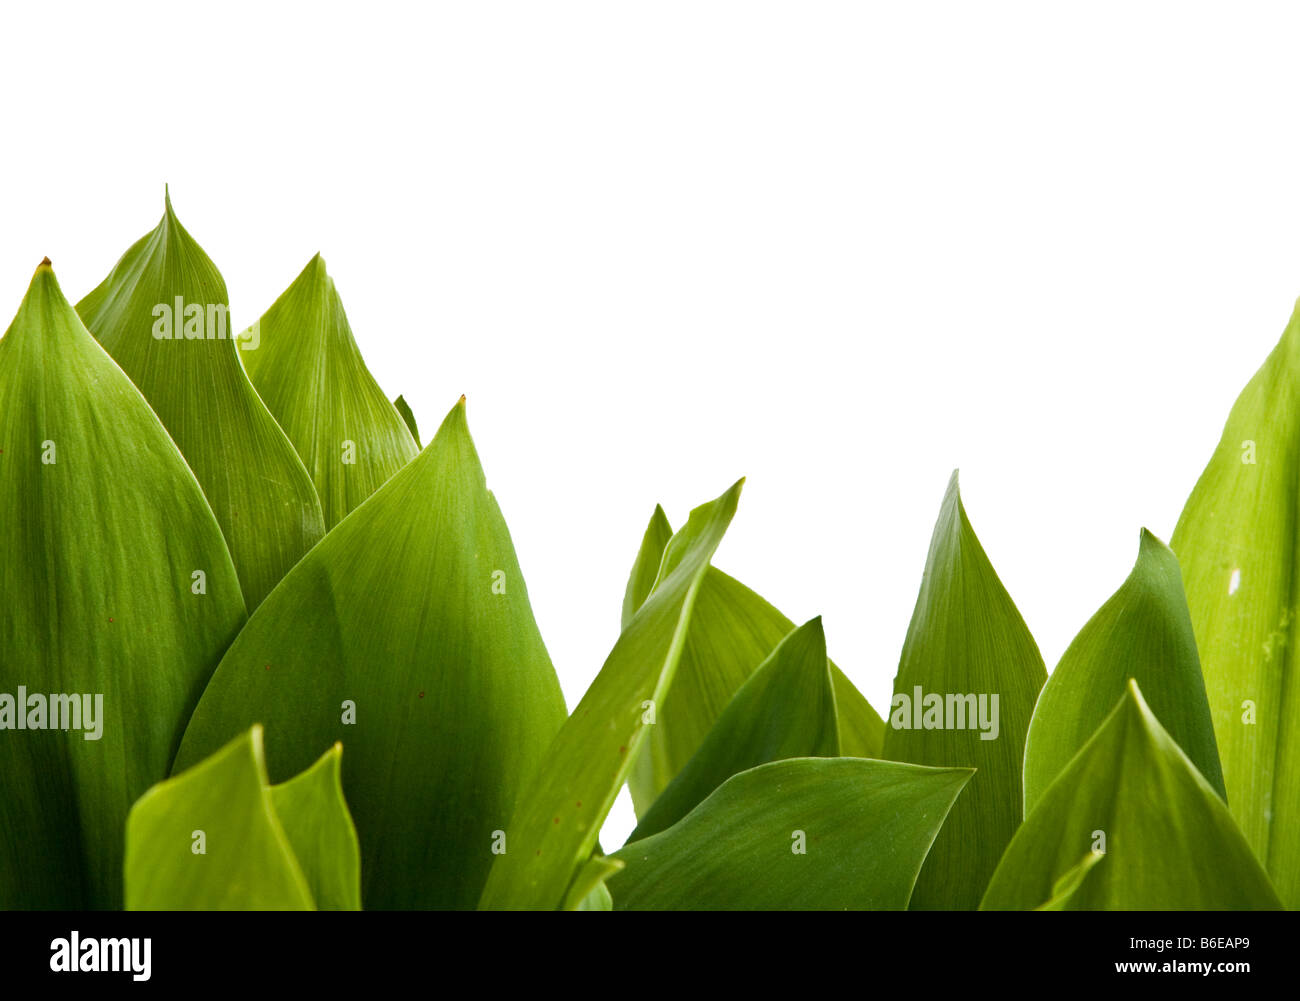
x=315 y=818
x=258 y=488
x=555 y=825
x=1238 y=541
x=785 y=709
x=864 y=827
x=1131 y=792
x=968 y=648
x=408 y=416
x=1063 y=889
x=209 y=840
x=1142 y=632
x=406 y=634
x=588 y=891
x=105 y=538
x=310 y=374
x=732 y=631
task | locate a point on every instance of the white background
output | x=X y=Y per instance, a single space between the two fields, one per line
x=838 y=248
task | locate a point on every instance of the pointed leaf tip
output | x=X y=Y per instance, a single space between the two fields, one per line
x=45 y=263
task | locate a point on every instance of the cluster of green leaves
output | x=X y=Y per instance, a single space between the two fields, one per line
x=323 y=686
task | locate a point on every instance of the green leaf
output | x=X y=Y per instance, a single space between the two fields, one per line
x=588 y=891
x=102 y=530
x=865 y=827
x=1142 y=632
x=1169 y=840
x=1238 y=541
x=645 y=570
x=315 y=818
x=558 y=818
x=785 y=709
x=222 y=806
x=404 y=409
x=732 y=631
x=406 y=634
x=310 y=374
x=968 y=648
x=1063 y=889
x=258 y=488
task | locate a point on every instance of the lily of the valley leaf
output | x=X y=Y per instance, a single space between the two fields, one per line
x=162 y=313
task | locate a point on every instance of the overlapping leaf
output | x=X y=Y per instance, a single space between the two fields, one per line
x=1238 y=541
x=588 y=891
x=315 y=818
x=785 y=709
x=212 y=838
x=733 y=630
x=964 y=693
x=404 y=409
x=556 y=823
x=118 y=598
x=310 y=374
x=1143 y=632
x=261 y=494
x=406 y=634
x=804 y=833
x=1132 y=793
x=645 y=569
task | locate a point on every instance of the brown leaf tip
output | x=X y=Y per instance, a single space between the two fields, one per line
x=45 y=263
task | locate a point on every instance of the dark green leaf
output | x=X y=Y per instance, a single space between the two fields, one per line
x=964 y=692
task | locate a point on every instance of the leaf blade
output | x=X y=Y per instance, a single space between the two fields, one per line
x=733 y=631
x=314 y=816
x=966 y=639
x=246 y=862
x=259 y=491
x=866 y=827
x=1160 y=819
x=1239 y=545
x=309 y=372
x=591 y=755
x=1142 y=632
x=785 y=709
x=104 y=528
x=407 y=634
